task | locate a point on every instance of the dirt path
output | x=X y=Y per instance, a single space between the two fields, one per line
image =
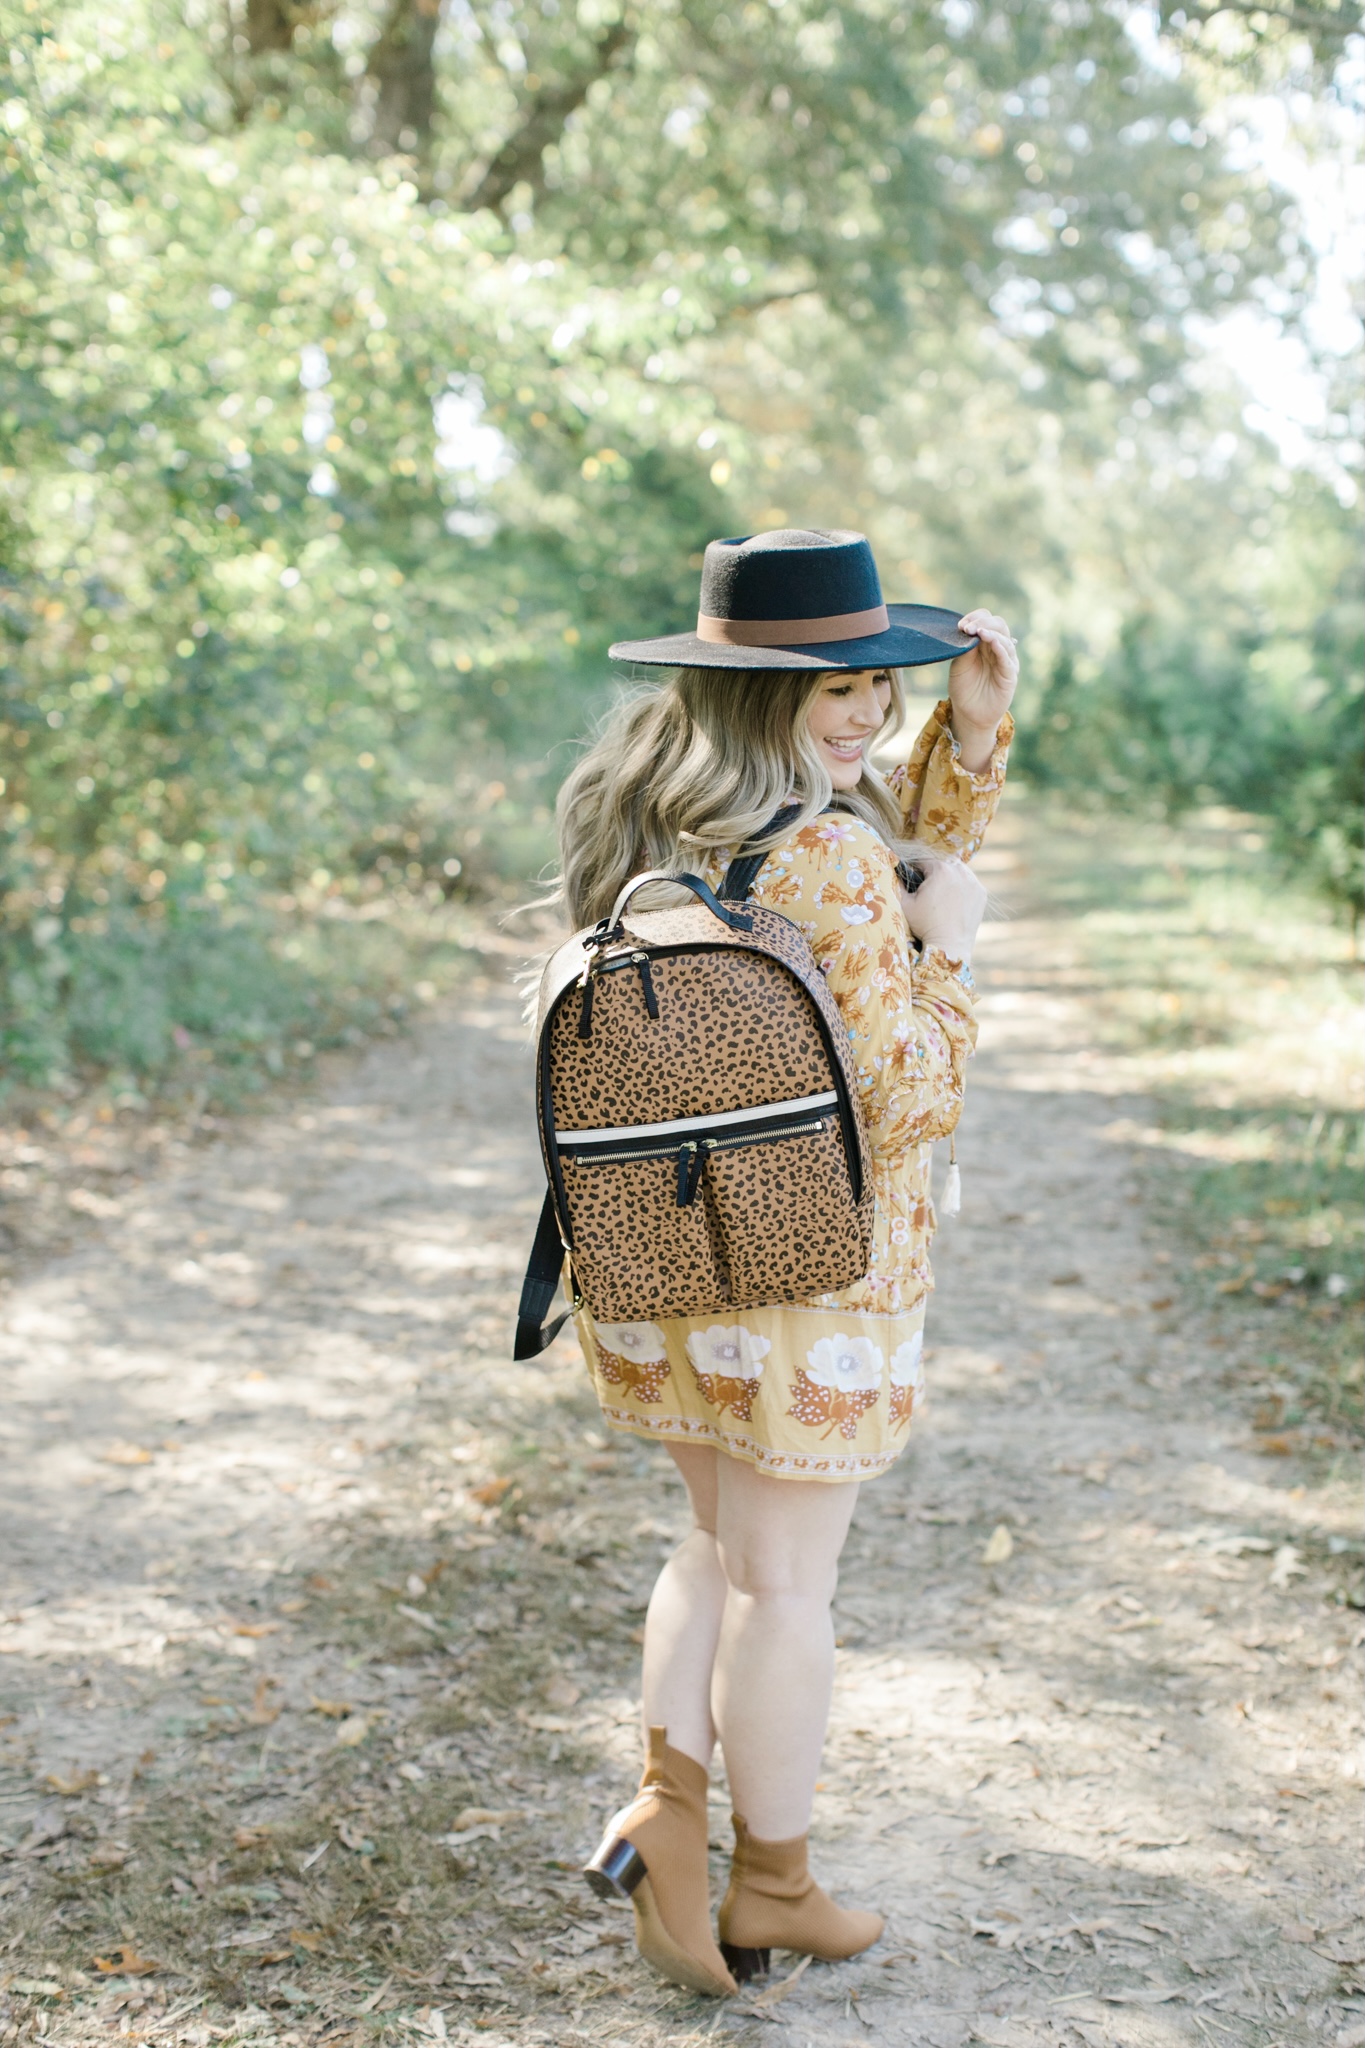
x=320 y=1618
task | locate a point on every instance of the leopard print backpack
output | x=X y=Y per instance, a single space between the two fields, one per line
x=699 y=1118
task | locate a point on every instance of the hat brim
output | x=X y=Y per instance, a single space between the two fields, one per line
x=918 y=635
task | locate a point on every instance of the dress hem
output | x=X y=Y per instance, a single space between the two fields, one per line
x=834 y=1468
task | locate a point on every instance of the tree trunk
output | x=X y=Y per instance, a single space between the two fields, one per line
x=269 y=25
x=400 y=64
x=543 y=116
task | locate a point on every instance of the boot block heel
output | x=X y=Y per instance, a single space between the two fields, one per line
x=744 y=1963
x=616 y=1869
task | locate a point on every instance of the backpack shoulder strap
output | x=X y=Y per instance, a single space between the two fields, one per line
x=742 y=873
x=543 y=1272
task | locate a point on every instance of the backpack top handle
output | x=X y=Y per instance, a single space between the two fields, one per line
x=611 y=924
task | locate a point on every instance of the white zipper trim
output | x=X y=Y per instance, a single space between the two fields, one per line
x=631 y=1133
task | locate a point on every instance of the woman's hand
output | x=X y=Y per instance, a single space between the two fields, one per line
x=947 y=908
x=981 y=684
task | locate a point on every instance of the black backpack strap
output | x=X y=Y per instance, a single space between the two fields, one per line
x=544 y=1270
x=742 y=873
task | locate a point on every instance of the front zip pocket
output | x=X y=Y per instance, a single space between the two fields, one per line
x=687 y=1215
x=638 y=1253
x=691 y=1140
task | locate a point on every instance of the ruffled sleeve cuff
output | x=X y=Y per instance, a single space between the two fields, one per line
x=939 y=980
x=941 y=801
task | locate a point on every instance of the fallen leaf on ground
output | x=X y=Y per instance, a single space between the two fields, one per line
x=486 y=1816
x=317 y=1584
x=1285 y=1565
x=126 y=1454
x=126 y=1963
x=1299 y=1933
x=46 y=1826
x=259 y=1714
x=1000 y=1547
x=292 y=1606
x=369 y=2004
x=491 y=1491
x=352 y=1731
x=304 y=1937
x=562 y=1692
x=250 y=1837
x=108 y=1856
x=70 y=1788
x=276 y=1955
x=256 y=1628
x=336 y=1710
x=354 y=1838
x=36 y=1987
x=783 y=1988
x=415 y=1614
x=1160 y=1994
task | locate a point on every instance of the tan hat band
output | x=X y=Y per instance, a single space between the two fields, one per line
x=793 y=632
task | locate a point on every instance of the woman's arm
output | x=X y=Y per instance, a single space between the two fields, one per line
x=949 y=788
x=910 y=1018
x=981 y=686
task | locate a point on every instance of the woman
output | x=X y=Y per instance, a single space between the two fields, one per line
x=774 y=1418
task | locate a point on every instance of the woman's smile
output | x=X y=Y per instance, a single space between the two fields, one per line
x=847 y=750
x=844 y=717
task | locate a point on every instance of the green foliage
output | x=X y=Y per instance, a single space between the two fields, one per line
x=1270 y=725
x=1289 y=1224
x=361 y=384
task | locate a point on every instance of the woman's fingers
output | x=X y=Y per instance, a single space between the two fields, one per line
x=989 y=625
x=947 y=907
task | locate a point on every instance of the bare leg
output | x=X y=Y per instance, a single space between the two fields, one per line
x=778 y=1542
x=683 y=1622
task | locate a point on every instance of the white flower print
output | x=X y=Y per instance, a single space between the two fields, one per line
x=641 y=1343
x=907 y=1366
x=852 y=1364
x=735 y=1353
x=855 y=913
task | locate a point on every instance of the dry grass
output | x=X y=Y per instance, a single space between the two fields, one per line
x=1232 y=1000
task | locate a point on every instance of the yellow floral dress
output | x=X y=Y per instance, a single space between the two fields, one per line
x=825 y=1389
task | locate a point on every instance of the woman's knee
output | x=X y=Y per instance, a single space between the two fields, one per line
x=780 y=1538
x=771 y=1574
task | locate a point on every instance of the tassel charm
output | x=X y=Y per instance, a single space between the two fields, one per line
x=951 y=1204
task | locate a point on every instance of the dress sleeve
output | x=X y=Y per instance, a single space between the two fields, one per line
x=910 y=1019
x=941 y=802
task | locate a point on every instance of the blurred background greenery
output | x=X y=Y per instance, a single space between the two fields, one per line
x=368 y=368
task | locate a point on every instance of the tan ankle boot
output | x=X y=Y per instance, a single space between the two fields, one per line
x=654 y=1854
x=774 y=1902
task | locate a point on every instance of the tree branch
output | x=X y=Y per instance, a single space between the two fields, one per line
x=400 y=63
x=520 y=160
x=1336 y=26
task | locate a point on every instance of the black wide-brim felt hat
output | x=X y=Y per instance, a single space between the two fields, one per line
x=800 y=597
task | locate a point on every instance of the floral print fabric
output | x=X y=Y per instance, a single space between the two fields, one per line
x=826 y=1389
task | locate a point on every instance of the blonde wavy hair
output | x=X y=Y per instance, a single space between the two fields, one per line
x=701 y=762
